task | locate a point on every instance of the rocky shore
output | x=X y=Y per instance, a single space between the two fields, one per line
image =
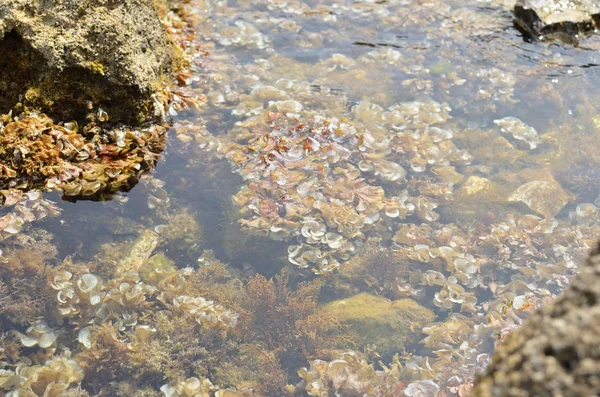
x=539 y=18
x=556 y=351
x=63 y=57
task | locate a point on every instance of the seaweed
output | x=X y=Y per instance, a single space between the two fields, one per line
x=288 y=322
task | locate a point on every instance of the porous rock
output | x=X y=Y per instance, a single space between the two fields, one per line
x=547 y=17
x=556 y=351
x=60 y=55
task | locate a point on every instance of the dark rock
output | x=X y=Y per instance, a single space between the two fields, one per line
x=573 y=18
x=557 y=351
x=59 y=55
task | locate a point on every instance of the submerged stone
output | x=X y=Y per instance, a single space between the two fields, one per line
x=475 y=185
x=64 y=57
x=549 y=17
x=389 y=325
x=142 y=249
x=546 y=197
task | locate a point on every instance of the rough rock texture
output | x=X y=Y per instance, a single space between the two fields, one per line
x=547 y=17
x=59 y=54
x=557 y=351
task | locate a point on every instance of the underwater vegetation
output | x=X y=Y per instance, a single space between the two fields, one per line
x=290 y=323
x=37 y=154
x=387 y=325
x=305 y=216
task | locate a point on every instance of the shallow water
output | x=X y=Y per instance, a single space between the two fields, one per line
x=427 y=133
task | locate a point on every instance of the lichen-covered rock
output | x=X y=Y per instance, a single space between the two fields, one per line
x=547 y=17
x=389 y=325
x=556 y=351
x=64 y=56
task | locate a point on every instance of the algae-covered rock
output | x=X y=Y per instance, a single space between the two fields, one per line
x=479 y=189
x=389 y=325
x=58 y=55
x=556 y=351
x=141 y=250
x=546 y=197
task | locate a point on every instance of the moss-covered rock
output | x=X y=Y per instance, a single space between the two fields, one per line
x=60 y=56
x=389 y=325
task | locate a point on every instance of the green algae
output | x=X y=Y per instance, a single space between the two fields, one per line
x=97 y=67
x=389 y=325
